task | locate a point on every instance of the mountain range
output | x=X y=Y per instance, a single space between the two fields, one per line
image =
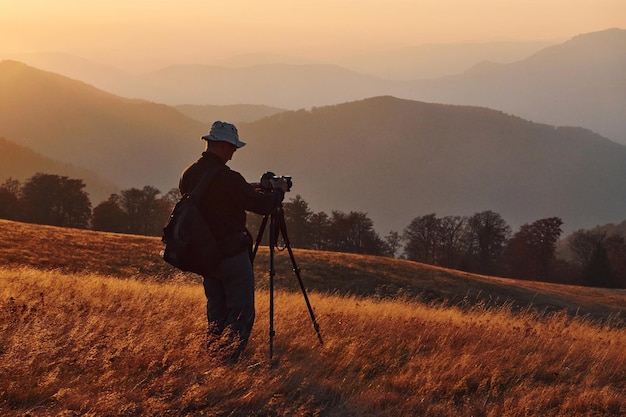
x=580 y=82
x=20 y=163
x=130 y=143
x=392 y=158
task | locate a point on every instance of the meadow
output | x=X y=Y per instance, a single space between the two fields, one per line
x=93 y=324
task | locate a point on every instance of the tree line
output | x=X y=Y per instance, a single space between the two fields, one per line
x=482 y=243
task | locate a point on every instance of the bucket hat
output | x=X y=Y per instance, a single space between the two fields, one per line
x=224 y=132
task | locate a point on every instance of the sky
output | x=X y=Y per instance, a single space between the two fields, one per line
x=144 y=33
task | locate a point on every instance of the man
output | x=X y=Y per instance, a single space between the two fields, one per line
x=229 y=288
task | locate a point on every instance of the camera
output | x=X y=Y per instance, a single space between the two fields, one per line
x=268 y=177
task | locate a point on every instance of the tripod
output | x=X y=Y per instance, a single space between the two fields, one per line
x=278 y=227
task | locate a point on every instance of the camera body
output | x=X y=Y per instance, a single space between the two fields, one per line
x=268 y=177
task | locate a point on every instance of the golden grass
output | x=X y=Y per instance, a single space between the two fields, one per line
x=88 y=344
x=137 y=257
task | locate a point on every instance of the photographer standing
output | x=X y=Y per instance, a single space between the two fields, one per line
x=229 y=288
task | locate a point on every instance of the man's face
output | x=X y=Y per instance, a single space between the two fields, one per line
x=230 y=150
x=224 y=150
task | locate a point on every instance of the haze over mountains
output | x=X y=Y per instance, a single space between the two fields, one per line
x=130 y=143
x=581 y=82
x=20 y=163
x=392 y=158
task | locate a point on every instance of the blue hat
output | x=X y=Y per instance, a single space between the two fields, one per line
x=224 y=132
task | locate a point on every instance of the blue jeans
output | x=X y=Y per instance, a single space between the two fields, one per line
x=229 y=290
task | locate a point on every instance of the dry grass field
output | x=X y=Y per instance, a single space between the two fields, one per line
x=95 y=324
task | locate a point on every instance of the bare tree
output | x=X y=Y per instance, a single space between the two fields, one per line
x=583 y=243
x=421 y=239
x=485 y=239
x=394 y=242
x=450 y=239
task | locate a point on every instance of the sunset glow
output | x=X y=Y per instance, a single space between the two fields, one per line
x=146 y=33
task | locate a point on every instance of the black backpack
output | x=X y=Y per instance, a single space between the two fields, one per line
x=189 y=243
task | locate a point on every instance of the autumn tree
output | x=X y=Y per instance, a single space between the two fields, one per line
x=601 y=259
x=434 y=240
x=450 y=239
x=108 y=216
x=421 y=239
x=10 y=200
x=353 y=232
x=582 y=244
x=597 y=272
x=55 y=200
x=319 y=224
x=297 y=219
x=135 y=211
x=616 y=252
x=144 y=214
x=531 y=251
x=484 y=240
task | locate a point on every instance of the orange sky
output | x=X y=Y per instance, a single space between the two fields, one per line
x=155 y=32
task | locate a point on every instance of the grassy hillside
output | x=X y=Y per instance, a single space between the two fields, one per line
x=129 y=256
x=87 y=344
x=81 y=338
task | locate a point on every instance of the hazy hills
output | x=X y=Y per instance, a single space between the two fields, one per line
x=581 y=82
x=127 y=142
x=21 y=163
x=437 y=60
x=406 y=63
x=234 y=113
x=392 y=158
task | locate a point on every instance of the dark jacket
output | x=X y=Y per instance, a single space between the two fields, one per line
x=228 y=196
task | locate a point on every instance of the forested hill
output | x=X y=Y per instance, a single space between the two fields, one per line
x=397 y=159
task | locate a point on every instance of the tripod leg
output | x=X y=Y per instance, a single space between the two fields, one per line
x=259 y=237
x=283 y=230
x=273 y=238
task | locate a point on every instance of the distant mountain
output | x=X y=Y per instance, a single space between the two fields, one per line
x=438 y=59
x=131 y=143
x=234 y=113
x=289 y=86
x=398 y=159
x=581 y=82
x=392 y=158
x=21 y=163
x=104 y=77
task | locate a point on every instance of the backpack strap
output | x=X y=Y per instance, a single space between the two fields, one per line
x=208 y=176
